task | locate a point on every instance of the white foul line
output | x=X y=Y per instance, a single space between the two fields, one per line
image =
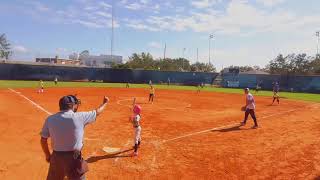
x=43 y=109
x=200 y=132
x=172 y=139
x=230 y=125
x=32 y=102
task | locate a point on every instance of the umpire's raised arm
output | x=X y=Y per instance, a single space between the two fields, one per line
x=101 y=108
x=66 y=130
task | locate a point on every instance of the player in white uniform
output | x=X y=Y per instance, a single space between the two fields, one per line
x=135 y=119
x=56 y=80
x=249 y=108
x=41 y=87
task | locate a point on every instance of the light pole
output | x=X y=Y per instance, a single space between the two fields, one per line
x=318 y=35
x=197 y=55
x=112 y=29
x=183 y=50
x=210 y=37
x=164 y=51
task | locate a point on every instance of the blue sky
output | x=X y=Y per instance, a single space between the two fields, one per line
x=246 y=32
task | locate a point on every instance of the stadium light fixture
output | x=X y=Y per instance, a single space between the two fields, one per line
x=210 y=37
x=318 y=35
x=183 y=50
x=112 y=29
x=197 y=54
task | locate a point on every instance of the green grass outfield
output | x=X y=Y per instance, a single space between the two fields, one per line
x=34 y=84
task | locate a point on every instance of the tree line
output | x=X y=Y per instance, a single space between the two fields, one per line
x=295 y=64
x=5 y=47
x=147 y=62
x=289 y=64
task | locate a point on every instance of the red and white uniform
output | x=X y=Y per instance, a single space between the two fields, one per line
x=137 y=128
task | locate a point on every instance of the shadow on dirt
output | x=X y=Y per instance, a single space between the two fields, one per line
x=110 y=156
x=233 y=128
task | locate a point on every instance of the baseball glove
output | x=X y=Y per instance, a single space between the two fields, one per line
x=243 y=108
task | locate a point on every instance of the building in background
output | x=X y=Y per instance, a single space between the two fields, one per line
x=101 y=60
x=57 y=60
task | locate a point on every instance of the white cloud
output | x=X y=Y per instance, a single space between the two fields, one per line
x=88 y=13
x=204 y=3
x=144 y=1
x=19 y=49
x=104 y=14
x=90 y=8
x=154 y=44
x=180 y=9
x=40 y=7
x=168 y=4
x=133 y=6
x=239 y=18
x=88 y=24
x=156 y=7
x=105 y=5
x=270 y=3
x=123 y=1
x=139 y=25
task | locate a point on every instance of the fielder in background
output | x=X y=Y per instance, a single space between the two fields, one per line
x=151 y=95
x=198 y=88
x=40 y=87
x=249 y=108
x=259 y=86
x=276 y=89
x=56 y=80
x=135 y=119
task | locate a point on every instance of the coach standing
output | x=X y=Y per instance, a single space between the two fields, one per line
x=66 y=129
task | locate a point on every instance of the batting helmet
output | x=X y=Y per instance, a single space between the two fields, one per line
x=137 y=109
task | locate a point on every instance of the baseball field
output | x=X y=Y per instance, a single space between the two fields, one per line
x=185 y=134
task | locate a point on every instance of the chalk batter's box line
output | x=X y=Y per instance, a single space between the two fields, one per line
x=176 y=138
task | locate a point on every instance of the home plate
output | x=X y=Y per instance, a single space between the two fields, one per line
x=110 y=149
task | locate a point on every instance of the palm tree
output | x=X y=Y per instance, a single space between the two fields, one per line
x=4 y=47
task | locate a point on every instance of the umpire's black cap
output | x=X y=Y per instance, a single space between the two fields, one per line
x=66 y=101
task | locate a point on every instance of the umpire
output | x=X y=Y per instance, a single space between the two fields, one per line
x=66 y=129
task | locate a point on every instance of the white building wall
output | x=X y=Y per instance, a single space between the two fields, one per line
x=101 y=61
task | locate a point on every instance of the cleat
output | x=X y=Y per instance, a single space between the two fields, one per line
x=242 y=123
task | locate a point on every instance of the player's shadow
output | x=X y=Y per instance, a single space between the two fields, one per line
x=230 y=129
x=109 y=156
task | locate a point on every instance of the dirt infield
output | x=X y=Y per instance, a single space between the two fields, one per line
x=185 y=135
